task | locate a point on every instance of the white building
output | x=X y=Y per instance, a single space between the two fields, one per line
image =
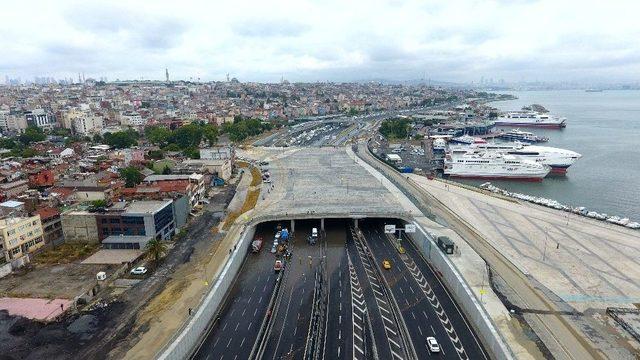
x=132 y=119
x=87 y=125
x=12 y=123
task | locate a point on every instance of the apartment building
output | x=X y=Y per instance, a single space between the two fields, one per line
x=20 y=236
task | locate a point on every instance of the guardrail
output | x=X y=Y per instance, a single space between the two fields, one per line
x=481 y=321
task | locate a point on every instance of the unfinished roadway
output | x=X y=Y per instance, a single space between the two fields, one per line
x=367 y=313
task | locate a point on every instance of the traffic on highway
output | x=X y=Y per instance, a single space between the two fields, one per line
x=337 y=291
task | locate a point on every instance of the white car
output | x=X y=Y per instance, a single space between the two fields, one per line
x=140 y=270
x=432 y=345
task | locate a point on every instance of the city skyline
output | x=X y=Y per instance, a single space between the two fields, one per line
x=304 y=41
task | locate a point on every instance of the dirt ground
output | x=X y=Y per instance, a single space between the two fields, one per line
x=64 y=281
x=110 y=325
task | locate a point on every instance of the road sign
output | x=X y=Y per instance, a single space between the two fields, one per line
x=410 y=228
x=389 y=229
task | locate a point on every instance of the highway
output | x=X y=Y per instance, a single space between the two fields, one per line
x=560 y=333
x=288 y=337
x=364 y=318
x=427 y=307
x=233 y=333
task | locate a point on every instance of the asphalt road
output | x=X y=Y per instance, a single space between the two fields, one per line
x=426 y=306
x=360 y=321
x=338 y=337
x=233 y=334
x=288 y=337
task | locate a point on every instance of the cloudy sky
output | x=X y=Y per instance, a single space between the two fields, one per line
x=336 y=40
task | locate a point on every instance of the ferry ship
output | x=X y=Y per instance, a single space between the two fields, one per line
x=558 y=159
x=522 y=136
x=494 y=165
x=531 y=119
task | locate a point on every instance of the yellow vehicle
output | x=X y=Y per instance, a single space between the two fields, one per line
x=386 y=264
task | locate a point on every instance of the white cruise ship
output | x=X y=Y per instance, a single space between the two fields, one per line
x=494 y=165
x=531 y=119
x=558 y=159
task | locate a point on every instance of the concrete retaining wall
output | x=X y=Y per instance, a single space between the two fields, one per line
x=189 y=338
x=475 y=313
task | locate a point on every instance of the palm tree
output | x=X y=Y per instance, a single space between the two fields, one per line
x=155 y=249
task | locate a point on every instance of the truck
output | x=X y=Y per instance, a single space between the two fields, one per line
x=445 y=244
x=256 y=245
x=313 y=238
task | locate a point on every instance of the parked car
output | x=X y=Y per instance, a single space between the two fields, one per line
x=140 y=270
x=386 y=264
x=432 y=345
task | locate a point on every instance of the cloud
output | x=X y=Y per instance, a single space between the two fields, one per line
x=458 y=40
x=266 y=28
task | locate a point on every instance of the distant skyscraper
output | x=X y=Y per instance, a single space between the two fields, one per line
x=166 y=73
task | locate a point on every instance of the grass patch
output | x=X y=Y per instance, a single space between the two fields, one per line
x=256 y=177
x=159 y=165
x=65 y=254
x=249 y=203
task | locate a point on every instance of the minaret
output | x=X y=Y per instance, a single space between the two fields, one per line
x=166 y=73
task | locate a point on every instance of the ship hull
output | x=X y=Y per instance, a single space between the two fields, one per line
x=533 y=125
x=498 y=177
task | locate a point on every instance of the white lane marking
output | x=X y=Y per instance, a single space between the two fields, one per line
x=242 y=341
x=249 y=327
x=393 y=342
x=229 y=343
x=420 y=330
x=236 y=329
x=432 y=329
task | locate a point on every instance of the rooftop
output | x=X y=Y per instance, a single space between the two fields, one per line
x=146 y=206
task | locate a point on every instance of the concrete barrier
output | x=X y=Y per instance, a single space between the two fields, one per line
x=474 y=311
x=188 y=339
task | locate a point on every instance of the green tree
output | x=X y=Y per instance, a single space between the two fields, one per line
x=8 y=143
x=29 y=152
x=131 y=176
x=155 y=250
x=192 y=152
x=121 y=139
x=187 y=136
x=210 y=133
x=32 y=134
x=158 y=135
x=99 y=203
x=395 y=128
x=97 y=139
x=155 y=154
x=60 y=131
x=166 y=170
